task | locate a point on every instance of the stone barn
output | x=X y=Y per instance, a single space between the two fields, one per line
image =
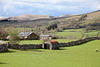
x=52 y=45
x=28 y=36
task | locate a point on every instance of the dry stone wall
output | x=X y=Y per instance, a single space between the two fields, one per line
x=3 y=47
x=78 y=42
x=25 y=46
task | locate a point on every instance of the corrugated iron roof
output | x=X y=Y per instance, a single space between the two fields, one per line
x=54 y=42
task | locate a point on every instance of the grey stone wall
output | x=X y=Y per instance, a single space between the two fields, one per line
x=39 y=46
x=3 y=47
x=78 y=42
x=25 y=46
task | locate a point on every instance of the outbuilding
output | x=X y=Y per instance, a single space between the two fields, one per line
x=28 y=36
x=44 y=37
x=52 y=45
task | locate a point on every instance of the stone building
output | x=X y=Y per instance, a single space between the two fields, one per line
x=45 y=37
x=28 y=36
x=52 y=45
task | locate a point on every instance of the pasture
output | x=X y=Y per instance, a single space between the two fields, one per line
x=76 y=33
x=76 y=56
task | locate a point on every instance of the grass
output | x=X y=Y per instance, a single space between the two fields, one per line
x=18 y=29
x=76 y=33
x=63 y=40
x=31 y=42
x=77 y=56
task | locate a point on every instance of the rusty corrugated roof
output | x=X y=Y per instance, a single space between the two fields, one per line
x=54 y=42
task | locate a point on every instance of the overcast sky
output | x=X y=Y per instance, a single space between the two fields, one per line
x=47 y=7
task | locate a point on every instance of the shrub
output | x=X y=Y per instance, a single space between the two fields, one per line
x=14 y=39
x=3 y=34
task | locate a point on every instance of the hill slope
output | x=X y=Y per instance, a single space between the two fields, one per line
x=79 y=21
x=73 y=22
x=66 y=15
x=29 y=17
x=90 y=16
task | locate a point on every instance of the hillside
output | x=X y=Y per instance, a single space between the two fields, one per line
x=72 y=22
x=80 y=21
x=2 y=18
x=29 y=17
x=66 y=15
x=90 y=16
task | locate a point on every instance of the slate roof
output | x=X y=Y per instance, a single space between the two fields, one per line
x=44 y=35
x=24 y=33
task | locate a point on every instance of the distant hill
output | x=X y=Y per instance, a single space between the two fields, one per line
x=80 y=21
x=93 y=16
x=66 y=15
x=65 y=22
x=30 y=17
x=2 y=18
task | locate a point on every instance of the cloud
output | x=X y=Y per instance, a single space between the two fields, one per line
x=47 y=7
x=98 y=6
x=51 y=1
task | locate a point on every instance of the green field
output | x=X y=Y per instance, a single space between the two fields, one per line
x=31 y=42
x=76 y=56
x=18 y=29
x=76 y=33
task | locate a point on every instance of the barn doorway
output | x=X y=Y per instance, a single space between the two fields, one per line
x=46 y=46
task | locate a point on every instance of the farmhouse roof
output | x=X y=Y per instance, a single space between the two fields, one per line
x=44 y=35
x=24 y=33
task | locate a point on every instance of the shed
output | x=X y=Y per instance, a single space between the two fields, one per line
x=28 y=36
x=52 y=45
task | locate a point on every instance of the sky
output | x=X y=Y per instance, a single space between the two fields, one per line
x=47 y=7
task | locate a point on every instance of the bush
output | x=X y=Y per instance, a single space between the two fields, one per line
x=53 y=26
x=59 y=30
x=14 y=39
x=3 y=34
